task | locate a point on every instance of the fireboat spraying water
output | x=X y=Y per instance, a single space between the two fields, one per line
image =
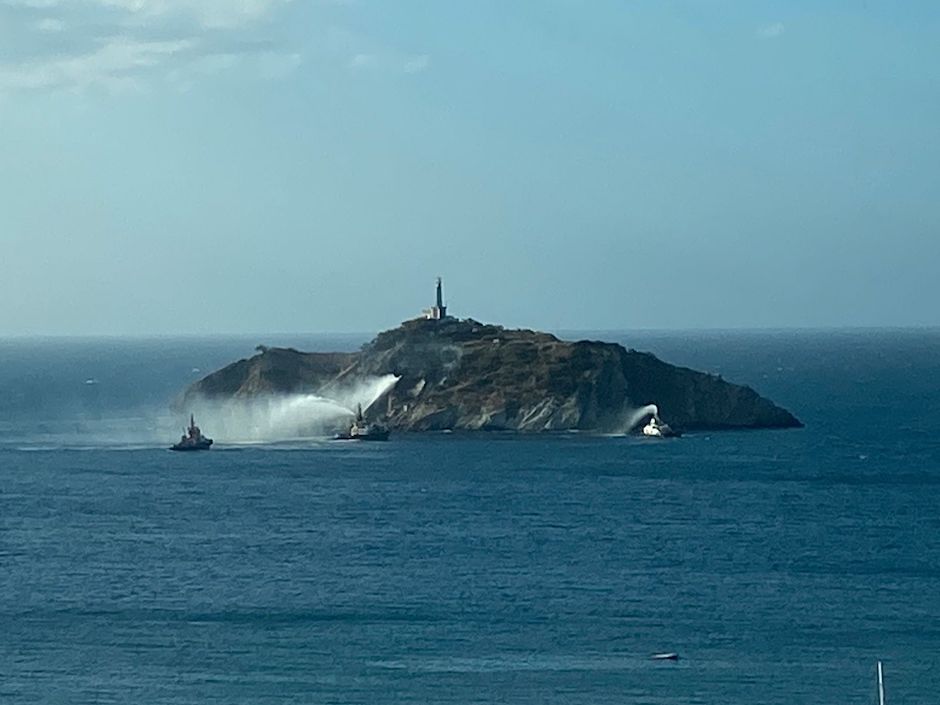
x=362 y=430
x=192 y=438
x=655 y=428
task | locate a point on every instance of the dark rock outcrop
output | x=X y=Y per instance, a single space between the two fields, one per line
x=460 y=374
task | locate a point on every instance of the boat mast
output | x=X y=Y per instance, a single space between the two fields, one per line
x=881 y=685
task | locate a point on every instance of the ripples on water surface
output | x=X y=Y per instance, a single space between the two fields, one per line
x=447 y=569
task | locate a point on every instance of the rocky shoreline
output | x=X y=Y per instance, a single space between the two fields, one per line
x=464 y=375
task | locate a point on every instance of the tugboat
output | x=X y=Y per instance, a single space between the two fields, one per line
x=657 y=429
x=192 y=439
x=361 y=430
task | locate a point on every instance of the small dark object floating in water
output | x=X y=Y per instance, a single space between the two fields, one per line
x=363 y=431
x=192 y=439
x=665 y=657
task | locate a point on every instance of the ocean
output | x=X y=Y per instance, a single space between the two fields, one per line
x=452 y=568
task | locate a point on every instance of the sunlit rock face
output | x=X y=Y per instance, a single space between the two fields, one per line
x=465 y=375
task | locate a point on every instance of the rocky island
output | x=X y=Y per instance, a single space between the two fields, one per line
x=465 y=375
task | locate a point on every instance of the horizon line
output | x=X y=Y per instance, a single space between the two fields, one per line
x=555 y=331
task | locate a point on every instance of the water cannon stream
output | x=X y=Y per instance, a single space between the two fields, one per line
x=639 y=414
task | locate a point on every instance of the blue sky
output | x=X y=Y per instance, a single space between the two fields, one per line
x=226 y=166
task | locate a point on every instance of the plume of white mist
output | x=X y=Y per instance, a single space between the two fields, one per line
x=255 y=420
x=638 y=415
x=131 y=428
x=286 y=417
x=364 y=391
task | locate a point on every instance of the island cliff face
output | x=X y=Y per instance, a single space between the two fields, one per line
x=465 y=375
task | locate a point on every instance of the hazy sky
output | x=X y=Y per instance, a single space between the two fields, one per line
x=202 y=166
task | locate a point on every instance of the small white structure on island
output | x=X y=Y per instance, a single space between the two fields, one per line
x=437 y=312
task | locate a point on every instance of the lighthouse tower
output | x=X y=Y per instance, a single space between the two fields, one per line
x=439 y=310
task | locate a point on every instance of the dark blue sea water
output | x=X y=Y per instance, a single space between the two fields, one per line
x=454 y=569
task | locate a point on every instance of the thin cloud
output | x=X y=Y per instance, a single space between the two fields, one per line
x=363 y=54
x=212 y=14
x=389 y=62
x=208 y=13
x=115 y=65
x=771 y=31
x=417 y=64
x=362 y=61
x=50 y=24
x=117 y=45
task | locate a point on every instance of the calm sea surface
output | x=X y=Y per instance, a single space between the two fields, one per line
x=454 y=569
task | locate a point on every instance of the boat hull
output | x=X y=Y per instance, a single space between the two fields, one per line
x=189 y=447
x=373 y=436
